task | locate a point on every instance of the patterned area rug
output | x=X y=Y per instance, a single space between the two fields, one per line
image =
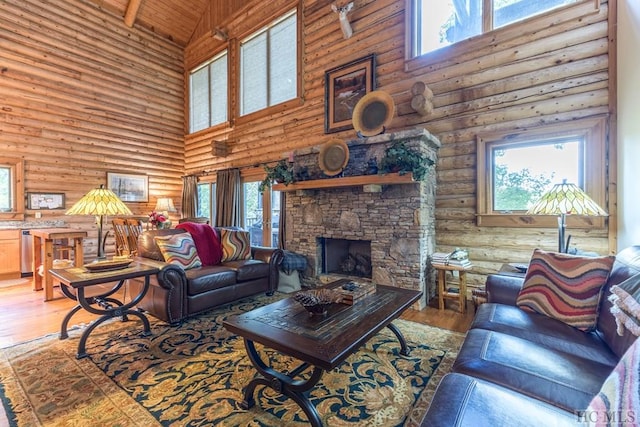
x=193 y=374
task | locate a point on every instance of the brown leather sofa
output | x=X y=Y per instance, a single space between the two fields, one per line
x=518 y=368
x=176 y=294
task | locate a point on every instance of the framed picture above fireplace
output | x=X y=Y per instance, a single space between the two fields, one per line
x=344 y=86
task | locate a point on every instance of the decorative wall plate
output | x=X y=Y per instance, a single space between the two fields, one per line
x=373 y=113
x=333 y=157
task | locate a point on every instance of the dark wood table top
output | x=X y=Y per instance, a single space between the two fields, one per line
x=80 y=277
x=326 y=341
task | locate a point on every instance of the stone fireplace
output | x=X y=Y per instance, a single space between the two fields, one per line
x=390 y=225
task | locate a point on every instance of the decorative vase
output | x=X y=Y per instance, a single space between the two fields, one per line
x=163 y=225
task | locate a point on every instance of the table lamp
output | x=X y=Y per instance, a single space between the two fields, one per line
x=164 y=205
x=99 y=202
x=562 y=200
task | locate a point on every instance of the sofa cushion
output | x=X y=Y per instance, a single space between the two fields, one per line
x=565 y=287
x=461 y=400
x=179 y=249
x=543 y=330
x=248 y=269
x=620 y=393
x=207 y=241
x=208 y=278
x=236 y=244
x=553 y=376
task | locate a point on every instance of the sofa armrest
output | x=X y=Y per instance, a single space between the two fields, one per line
x=503 y=289
x=272 y=256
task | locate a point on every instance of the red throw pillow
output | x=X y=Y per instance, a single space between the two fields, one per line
x=565 y=287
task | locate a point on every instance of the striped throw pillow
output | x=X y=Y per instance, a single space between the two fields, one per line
x=618 y=401
x=236 y=244
x=179 y=249
x=565 y=287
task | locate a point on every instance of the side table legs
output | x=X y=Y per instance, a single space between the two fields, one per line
x=106 y=307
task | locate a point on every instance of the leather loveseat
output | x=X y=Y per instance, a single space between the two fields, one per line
x=520 y=368
x=176 y=294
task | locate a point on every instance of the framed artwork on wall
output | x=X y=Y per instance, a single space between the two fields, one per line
x=129 y=187
x=344 y=86
x=45 y=200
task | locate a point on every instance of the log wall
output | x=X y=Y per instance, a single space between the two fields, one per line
x=80 y=95
x=550 y=69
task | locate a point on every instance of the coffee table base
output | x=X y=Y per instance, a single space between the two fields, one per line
x=286 y=383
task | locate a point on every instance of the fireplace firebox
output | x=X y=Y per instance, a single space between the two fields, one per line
x=346 y=257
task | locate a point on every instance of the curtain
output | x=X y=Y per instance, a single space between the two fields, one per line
x=189 y=196
x=228 y=198
x=282 y=221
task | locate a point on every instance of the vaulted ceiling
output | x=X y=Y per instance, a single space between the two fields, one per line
x=173 y=19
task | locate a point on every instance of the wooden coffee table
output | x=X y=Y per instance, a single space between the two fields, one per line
x=320 y=343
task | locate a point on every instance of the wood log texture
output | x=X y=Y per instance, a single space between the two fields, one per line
x=81 y=94
x=549 y=69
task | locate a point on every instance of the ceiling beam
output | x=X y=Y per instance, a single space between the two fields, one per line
x=132 y=12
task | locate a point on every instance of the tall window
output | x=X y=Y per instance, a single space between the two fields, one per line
x=515 y=169
x=207 y=201
x=268 y=65
x=208 y=94
x=261 y=214
x=440 y=23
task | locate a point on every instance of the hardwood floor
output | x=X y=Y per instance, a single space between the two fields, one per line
x=24 y=315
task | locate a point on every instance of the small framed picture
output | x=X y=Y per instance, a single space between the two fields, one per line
x=344 y=86
x=45 y=200
x=129 y=187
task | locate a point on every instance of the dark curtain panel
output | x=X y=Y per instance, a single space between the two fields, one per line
x=189 y=195
x=228 y=198
x=282 y=221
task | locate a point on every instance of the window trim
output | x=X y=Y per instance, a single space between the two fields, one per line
x=595 y=134
x=17 y=183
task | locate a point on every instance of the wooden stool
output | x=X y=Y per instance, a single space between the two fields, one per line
x=444 y=293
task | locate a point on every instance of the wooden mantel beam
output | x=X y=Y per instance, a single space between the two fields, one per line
x=132 y=12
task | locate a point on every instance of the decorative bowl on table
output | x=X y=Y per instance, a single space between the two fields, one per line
x=317 y=301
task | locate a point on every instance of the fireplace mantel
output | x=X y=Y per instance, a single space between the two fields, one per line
x=348 y=181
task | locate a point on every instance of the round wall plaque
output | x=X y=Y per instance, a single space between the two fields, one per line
x=333 y=157
x=373 y=113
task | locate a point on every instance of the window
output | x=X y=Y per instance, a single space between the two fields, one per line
x=261 y=214
x=440 y=23
x=208 y=94
x=269 y=65
x=514 y=170
x=207 y=201
x=11 y=188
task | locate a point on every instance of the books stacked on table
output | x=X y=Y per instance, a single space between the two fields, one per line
x=353 y=292
x=457 y=258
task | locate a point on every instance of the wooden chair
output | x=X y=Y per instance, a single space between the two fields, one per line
x=199 y=220
x=127 y=231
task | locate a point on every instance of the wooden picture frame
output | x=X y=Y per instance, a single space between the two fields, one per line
x=344 y=86
x=45 y=201
x=129 y=187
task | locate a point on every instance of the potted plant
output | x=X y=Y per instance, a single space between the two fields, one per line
x=282 y=172
x=402 y=159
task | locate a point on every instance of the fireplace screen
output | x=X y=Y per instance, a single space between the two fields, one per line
x=346 y=257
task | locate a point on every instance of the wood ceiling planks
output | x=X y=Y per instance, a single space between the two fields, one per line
x=173 y=19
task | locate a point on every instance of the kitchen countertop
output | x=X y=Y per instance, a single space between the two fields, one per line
x=26 y=225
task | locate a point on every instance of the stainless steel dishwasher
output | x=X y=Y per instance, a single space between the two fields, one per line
x=26 y=254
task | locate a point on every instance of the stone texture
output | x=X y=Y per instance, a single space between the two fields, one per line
x=399 y=221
